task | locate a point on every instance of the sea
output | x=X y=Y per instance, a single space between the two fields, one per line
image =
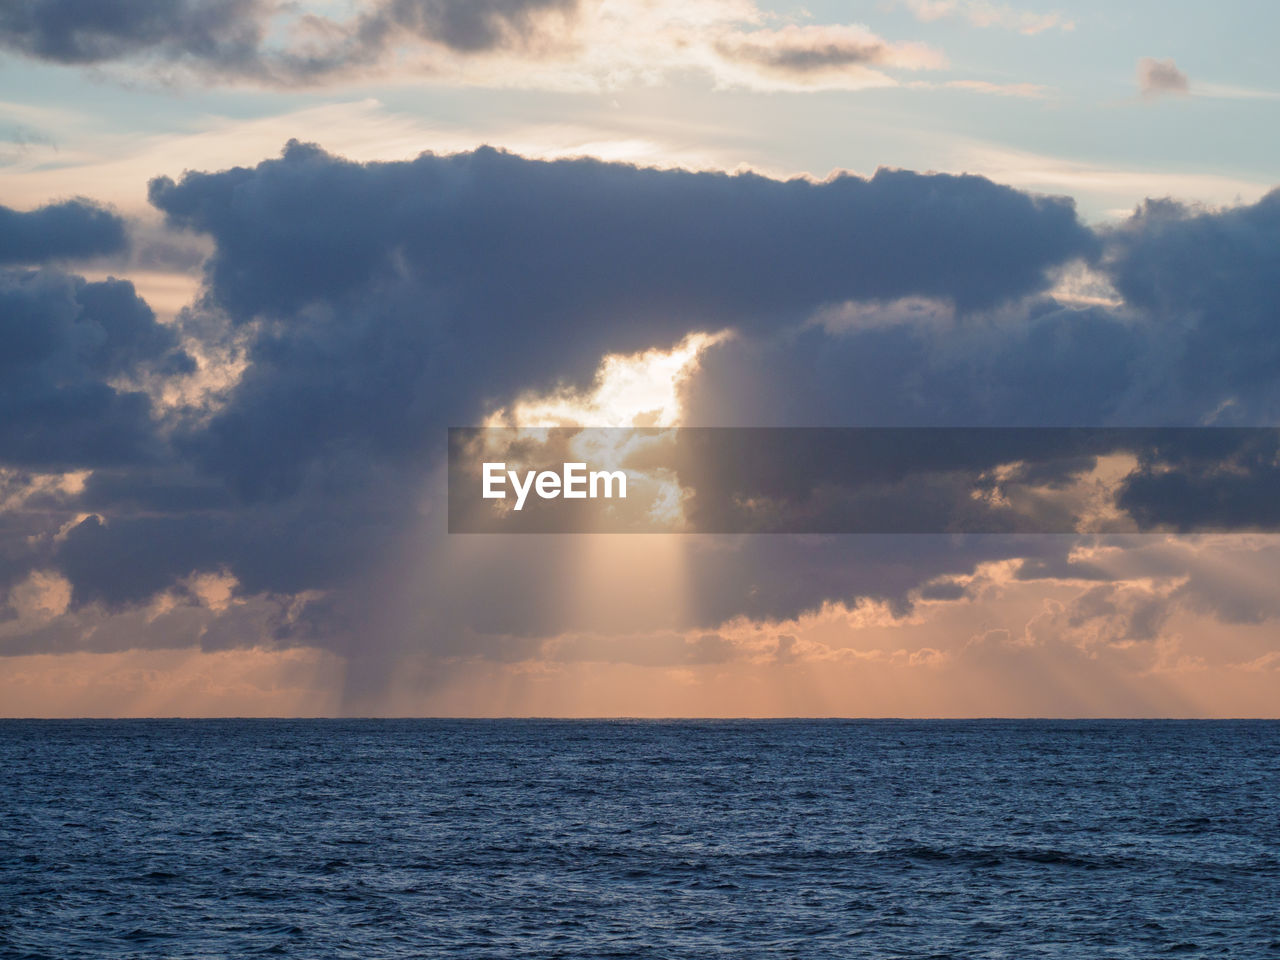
x=640 y=839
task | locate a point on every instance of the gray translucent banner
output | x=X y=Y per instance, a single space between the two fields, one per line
x=864 y=480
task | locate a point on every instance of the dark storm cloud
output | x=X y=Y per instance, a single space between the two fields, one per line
x=299 y=547
x=67 y=346
x=389 y=300
x=1225 y=479
x=227 y=32
x=1046 y=365
x=876 y=480
x=63 y=341
x=380 y=303
x=410 y=294
x=1209 y=280
x=1196 y=340
x=74 y=229
x=582 y=233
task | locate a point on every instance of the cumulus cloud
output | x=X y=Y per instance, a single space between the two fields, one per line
x=1191 y=340
x=65 y=344
x=226 y=32
x=73 y=229
x=1158 y=77
x=1208 y=278
x=373 y=305
x=428 y=292
x=921 y=480
x=532 y=271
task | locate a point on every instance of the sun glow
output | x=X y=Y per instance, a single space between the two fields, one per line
x=637 y=395
x=629 y=390
x=616 y=581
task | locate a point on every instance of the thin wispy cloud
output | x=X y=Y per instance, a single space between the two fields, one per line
x=982 y=13
x=1227 y=91
x=1116 y=187
x=820 y=56
x=1026 y=91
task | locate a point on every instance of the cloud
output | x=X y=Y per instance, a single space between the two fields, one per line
x=370 y=305
x=65 y=344
x=1029 y=91
x=824 y=56
x=230 y=38
x=882 y=480
x=1209 y=277
x=1040 y=364
x=864 y=235
x=468 y=25
x=1190 y=339
x=1157 y=77
x=560 y=44
x=981 y=13
x=424 y=293
x=1226 y=91
x=418 y=288
x=921 y=480
x=226 y=32
x=250 y=681
x=73 y=229
x=1113 y=191
x=1225 y=477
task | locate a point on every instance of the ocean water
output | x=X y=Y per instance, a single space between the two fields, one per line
x=369 y=839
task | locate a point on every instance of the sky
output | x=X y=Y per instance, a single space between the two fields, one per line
x=257 y=257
